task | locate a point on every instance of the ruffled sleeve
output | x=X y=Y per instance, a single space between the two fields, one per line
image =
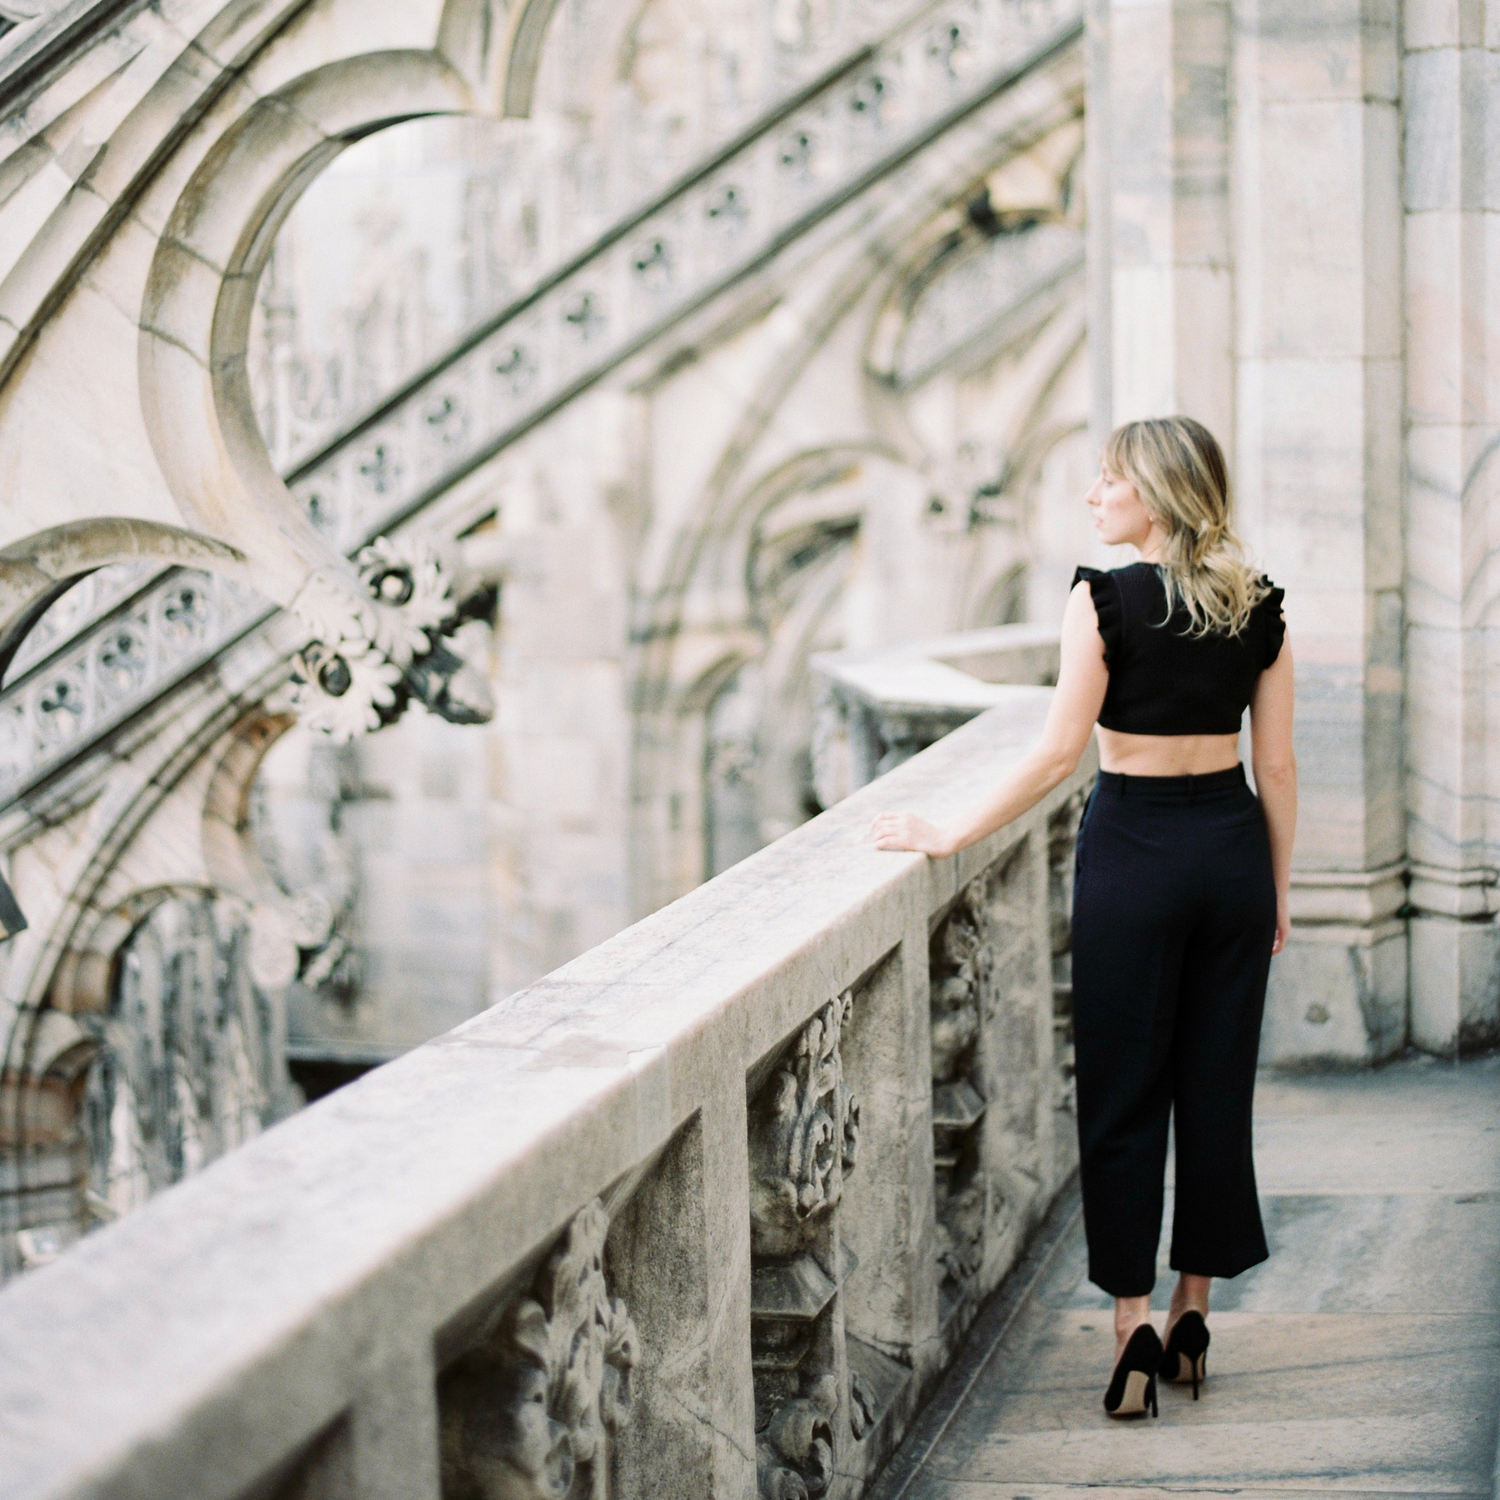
x=1107 y=608
x=1275 y=623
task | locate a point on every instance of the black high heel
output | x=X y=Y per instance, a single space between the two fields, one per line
x=1186 y=1356
x=1132 y=1389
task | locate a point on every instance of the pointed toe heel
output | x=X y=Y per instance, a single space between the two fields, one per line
x=1132 y=1389
x=1185 y=1359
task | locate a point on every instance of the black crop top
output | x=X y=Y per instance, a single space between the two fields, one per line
x=1163 y=680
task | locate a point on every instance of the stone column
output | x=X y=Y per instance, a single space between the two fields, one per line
x=1318 y=472
x=1272 y=313
x=1452 y=191
x=1162 y=329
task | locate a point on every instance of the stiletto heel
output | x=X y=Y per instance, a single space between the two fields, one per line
x=1186 y=1356
x=1132 y=1388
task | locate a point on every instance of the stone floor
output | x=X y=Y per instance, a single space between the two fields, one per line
x=1362 y=1359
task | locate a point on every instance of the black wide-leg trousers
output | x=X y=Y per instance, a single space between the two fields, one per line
x=1174 y=913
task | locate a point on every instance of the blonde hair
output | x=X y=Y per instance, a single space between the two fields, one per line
x=1178 y=471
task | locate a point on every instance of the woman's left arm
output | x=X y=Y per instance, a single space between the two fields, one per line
x=1081 y=682
x=1275 y=765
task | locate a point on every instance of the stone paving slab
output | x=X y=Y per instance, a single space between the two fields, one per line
x=1362 y=1359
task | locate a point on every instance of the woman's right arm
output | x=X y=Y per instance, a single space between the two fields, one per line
x=1275 y=768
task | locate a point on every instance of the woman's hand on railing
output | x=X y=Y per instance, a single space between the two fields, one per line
x=907 y=831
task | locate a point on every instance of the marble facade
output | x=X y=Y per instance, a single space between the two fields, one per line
x=1450 y=198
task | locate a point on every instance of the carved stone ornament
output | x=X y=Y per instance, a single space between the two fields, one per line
x=528 y=1415
x=794 y=1456
x=959 y=962
x=960 y=959
x=378 y=644
x=804 y=1136
x=804 y=1140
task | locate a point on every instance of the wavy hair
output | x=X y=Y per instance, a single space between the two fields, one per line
x=1178 y=470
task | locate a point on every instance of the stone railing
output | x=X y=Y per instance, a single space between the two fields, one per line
x=877 y=708
x=703 y=1213
x=796 y=167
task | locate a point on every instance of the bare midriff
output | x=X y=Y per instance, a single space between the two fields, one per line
x=1166 y=754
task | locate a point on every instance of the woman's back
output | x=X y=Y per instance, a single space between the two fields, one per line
x=1175 y=698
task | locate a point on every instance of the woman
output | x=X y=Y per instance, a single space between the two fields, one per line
x=1182 y=881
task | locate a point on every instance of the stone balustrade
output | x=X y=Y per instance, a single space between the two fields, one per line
x=702 y=1213
x=877 y=708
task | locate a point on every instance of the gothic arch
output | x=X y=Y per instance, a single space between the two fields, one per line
x=195 y=321
x=870 y=285
x=773 y=587
x=170 y=1055
x=37 y=571
x=82 y=980
x=62 y=962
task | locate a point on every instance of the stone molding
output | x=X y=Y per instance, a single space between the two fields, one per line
x=1465 y=895
x=1351 y=898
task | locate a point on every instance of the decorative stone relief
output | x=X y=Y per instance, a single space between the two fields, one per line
x=530 y=1413
x=313 y=864
x=188 y=1063
x=374 y=654
x=804 y=1136
x=345 y=680
x=794 y=1457
x=1002 y=276
x=804 y=1140
x=959 y=955
x=89 y=670
x=1062 y=844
